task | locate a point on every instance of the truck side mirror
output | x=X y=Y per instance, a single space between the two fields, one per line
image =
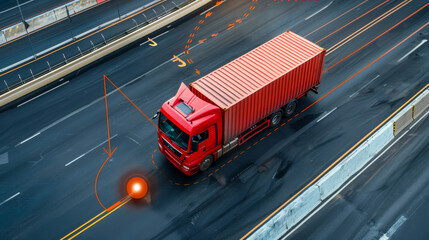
x=194 y=145
x=156 y=114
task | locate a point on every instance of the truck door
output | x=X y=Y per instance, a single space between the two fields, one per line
x=206 y=141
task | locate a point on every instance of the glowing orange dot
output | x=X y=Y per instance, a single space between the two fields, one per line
x=137 y=187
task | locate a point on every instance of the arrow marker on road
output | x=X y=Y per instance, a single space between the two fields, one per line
x=153 y=44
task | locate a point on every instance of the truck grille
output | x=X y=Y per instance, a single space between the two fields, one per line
x=169 y=146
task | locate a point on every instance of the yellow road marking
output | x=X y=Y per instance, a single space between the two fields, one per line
x=334 y=163
x=83 y=225
x=122 y=204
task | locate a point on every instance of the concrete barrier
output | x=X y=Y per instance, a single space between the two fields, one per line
x=408 y=114
x=14 y=31
x=402 y=121
x=41 y=20
x=289 y=215
x=421 y=105
x=331 y=181
x=60 y=12
x=79 y=5
x=294 y=212
x=302 y=206
x=45 y=19
x=99 y=53
x=2 y=38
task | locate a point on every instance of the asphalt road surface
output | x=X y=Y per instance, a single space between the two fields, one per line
x=26 y=71
x=390 y=200
x=60 y=32
x=67 y=126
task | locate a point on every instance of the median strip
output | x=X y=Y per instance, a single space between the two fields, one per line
x=305 y=200
x=79 y=63
x=320 y=189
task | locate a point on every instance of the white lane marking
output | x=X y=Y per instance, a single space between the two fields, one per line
x=74 y=160
x=21 y=4
x=16 y=194
x=4 y=158
x=135 y=141
x=312 y=15
x=419 y=120
x=208 y=10
x=53 y=47
x=196 y=45
x=342 y=188
x=64 y=83
x=364 y=86
x=412 y=50
x=325 y=115
x=96 y=28
x=156 y=37
x=393 y=228
x=110 y=93
x=28 y=139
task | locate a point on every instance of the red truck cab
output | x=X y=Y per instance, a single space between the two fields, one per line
x=189 y=130
x=227 y=107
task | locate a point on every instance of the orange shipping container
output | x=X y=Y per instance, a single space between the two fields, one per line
x=253 y=86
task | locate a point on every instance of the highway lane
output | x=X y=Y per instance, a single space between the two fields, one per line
x=387 y=201
x=97 y=38
x=65 y=31
x=10 y=14
x=226 y=205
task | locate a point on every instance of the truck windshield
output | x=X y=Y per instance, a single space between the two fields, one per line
x=174 y=133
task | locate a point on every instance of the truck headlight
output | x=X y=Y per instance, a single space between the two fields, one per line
x=186 y=168
x=160 y=146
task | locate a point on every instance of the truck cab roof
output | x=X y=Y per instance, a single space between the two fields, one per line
x=189 y=111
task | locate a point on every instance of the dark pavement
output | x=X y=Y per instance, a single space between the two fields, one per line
x=10 y=14
x=390 y=200
x=42 y=136
x=65 y=32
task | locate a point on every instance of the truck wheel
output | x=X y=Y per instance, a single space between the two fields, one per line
x=290 y=108
x=206 y=163
x=276 y=118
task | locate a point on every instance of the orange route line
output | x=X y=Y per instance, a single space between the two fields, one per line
x=197 y=27
x=348 y=79
x=193 y=34
x=96 y=179
x=367 y=26
x=334 y=163
x=130 y=101
x=107 y=214
x=113 y=206
x=335 y=19
x=107 y=115
x=388 y=30
x=353 y=20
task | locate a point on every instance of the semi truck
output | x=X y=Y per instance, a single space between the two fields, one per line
x=232 y=104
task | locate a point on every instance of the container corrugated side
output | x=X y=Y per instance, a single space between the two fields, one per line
x=253 y=86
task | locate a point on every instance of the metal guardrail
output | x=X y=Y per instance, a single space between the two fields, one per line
x=44 y=19
x=9 y=85
x=97 y=52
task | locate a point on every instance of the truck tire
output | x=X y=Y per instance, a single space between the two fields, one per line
x=290 y=108
x=276 y=118
x=206 y=163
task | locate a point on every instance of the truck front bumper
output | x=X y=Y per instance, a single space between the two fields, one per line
x=176 y=162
